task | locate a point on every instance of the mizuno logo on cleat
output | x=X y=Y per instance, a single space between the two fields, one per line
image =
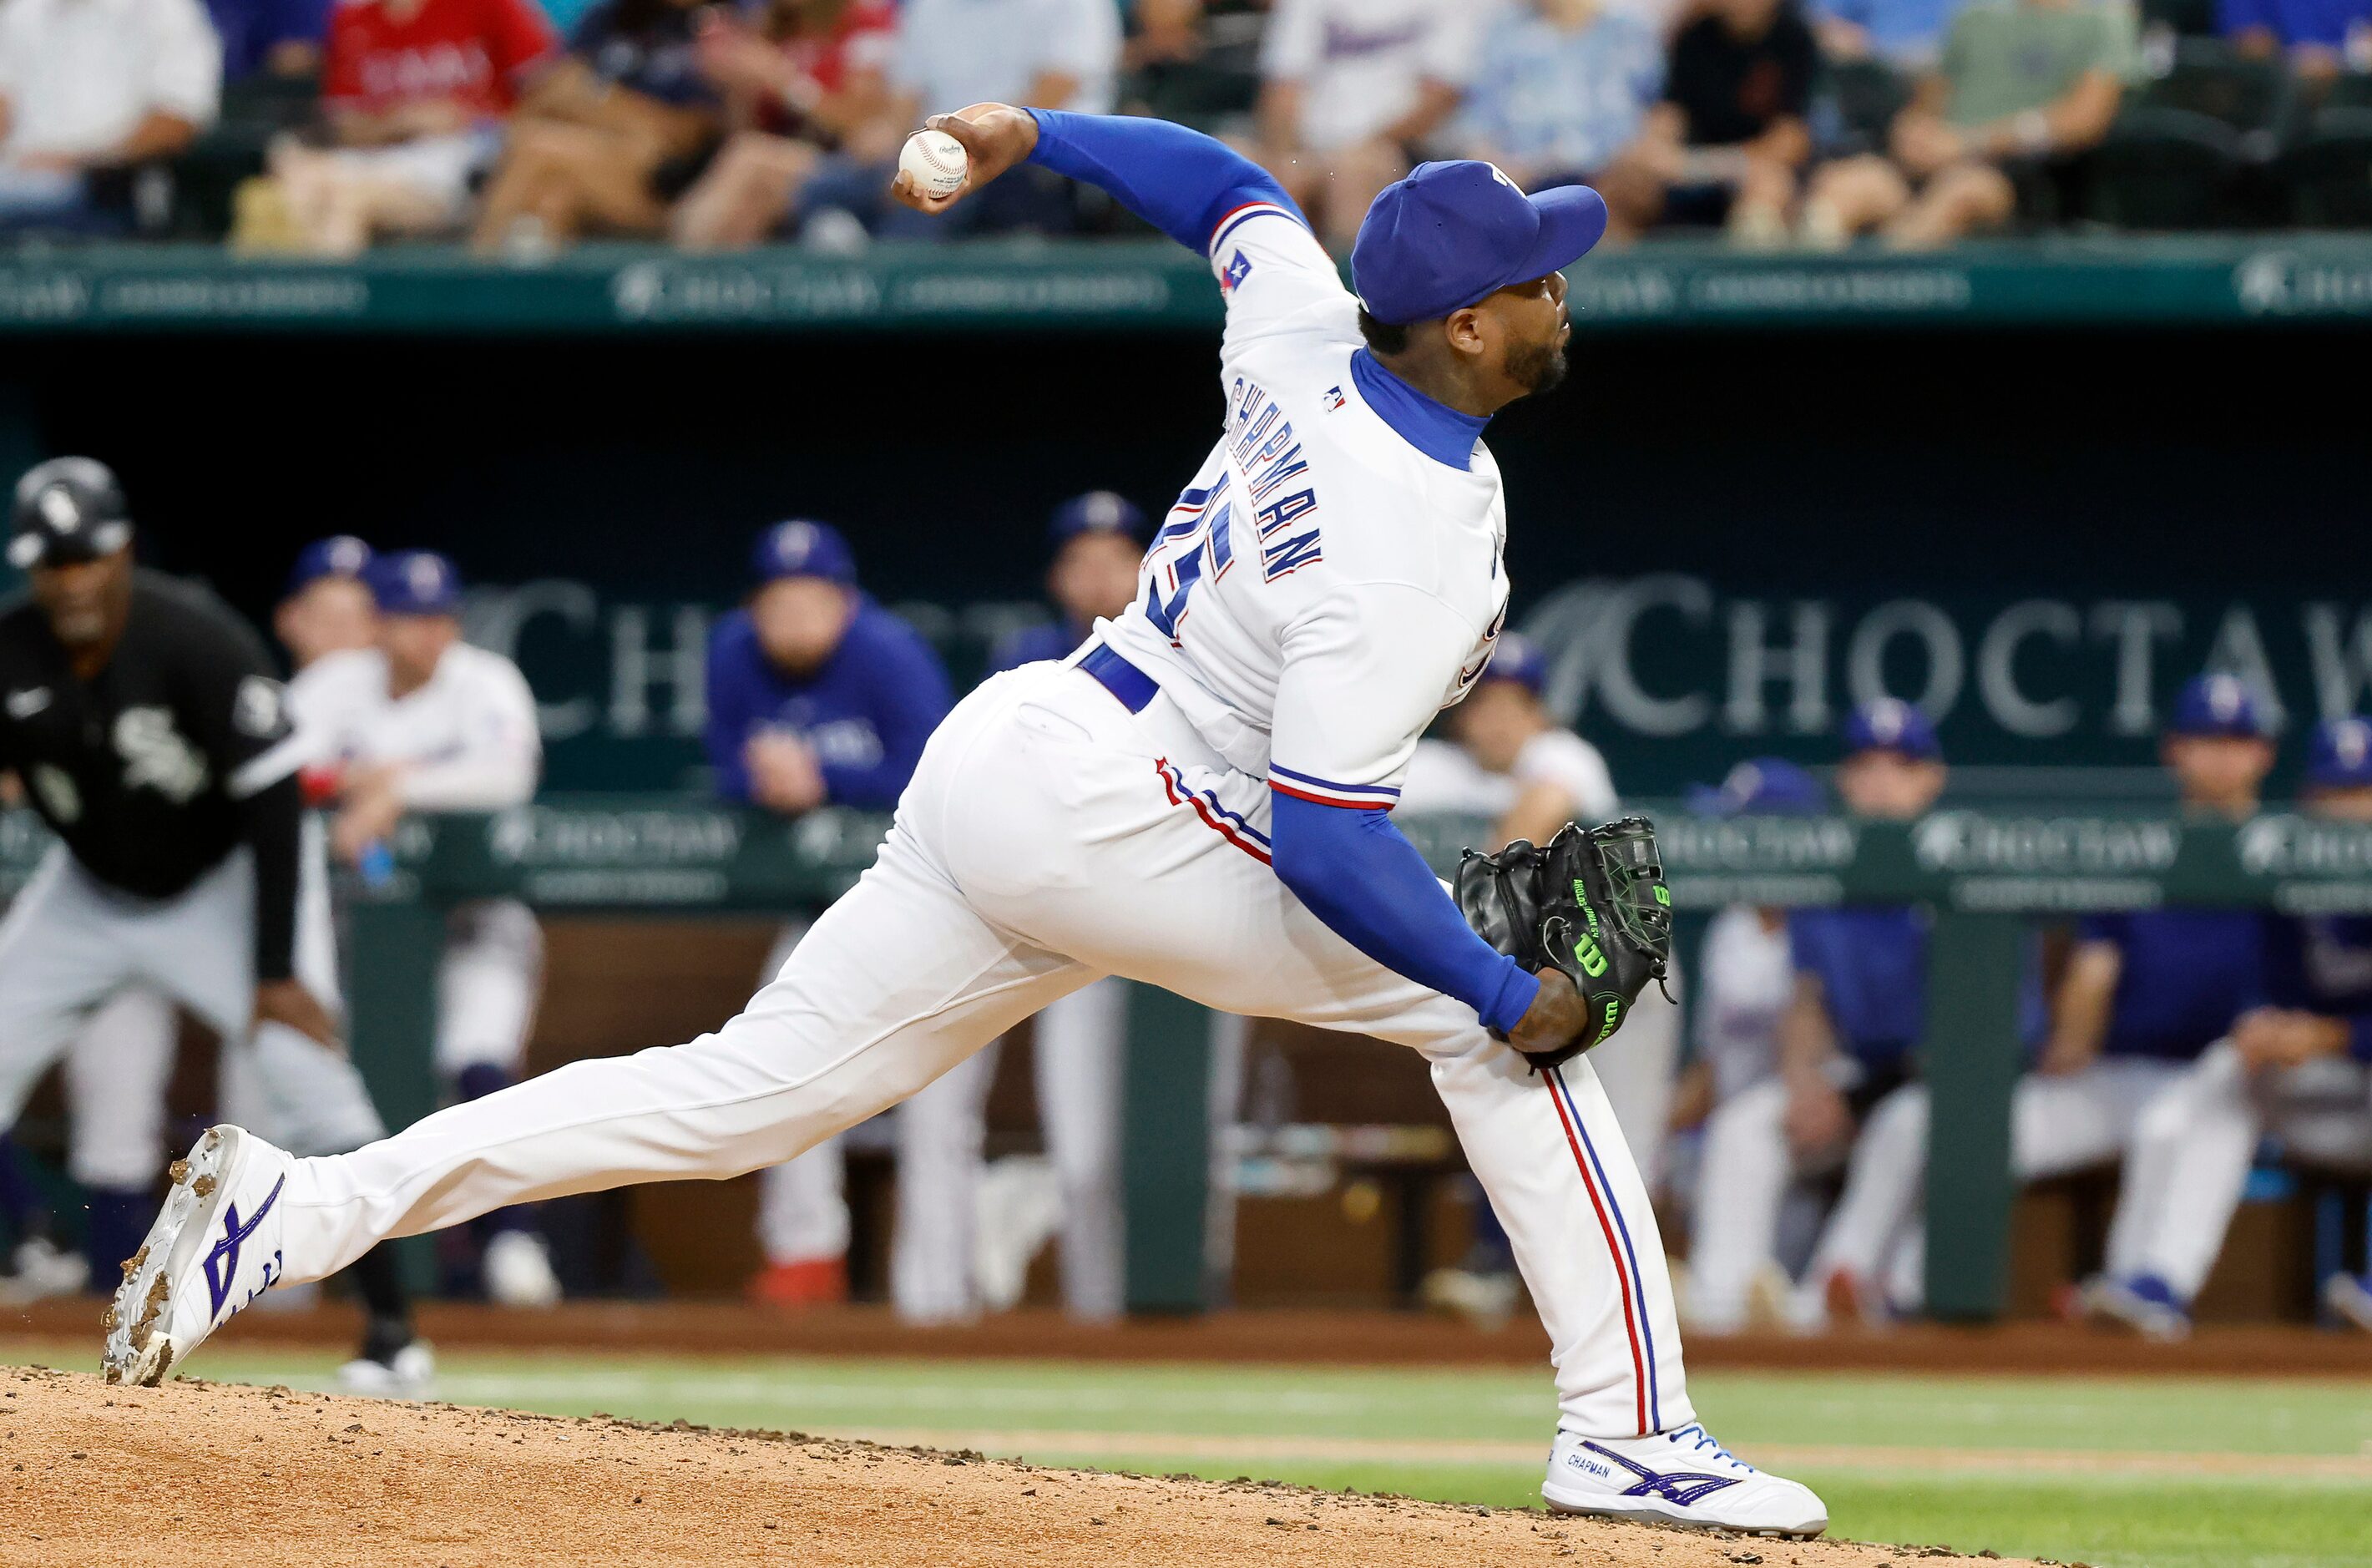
x=222 y=1263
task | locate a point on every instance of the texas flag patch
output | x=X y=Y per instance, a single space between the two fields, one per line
x=1237 y=270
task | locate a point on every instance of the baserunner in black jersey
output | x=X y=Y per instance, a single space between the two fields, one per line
x=149 y=731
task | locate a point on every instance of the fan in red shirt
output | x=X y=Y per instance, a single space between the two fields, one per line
x=809 y=75
x=415 y=92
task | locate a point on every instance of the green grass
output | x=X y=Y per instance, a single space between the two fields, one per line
x=2026 y=1465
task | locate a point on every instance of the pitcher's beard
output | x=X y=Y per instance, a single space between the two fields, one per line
x=1538 y=369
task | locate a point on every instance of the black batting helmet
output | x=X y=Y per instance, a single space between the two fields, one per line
x=68 y=509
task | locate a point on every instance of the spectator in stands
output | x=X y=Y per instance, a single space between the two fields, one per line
x=817 y=696
x=1046 y=53
x=1848 y=1037
x=415 y=93
x=1355 y=91
x=1560 y=87
x=1905 y=34
x=2023 y=87
x=2317 y=37
x=270 y=39
x=811 y=79
x=2295 y=1067
x=1726 y=144
x=2142 y=996
x=90 y=88
x=608 y=136
x=1196 y=63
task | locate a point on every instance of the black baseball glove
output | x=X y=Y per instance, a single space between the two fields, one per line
x=1592 y=902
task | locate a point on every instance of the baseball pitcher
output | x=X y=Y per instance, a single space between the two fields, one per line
x=1202 y=800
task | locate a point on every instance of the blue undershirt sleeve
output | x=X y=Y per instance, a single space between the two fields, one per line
x=1361 y=876
x=1181 y=182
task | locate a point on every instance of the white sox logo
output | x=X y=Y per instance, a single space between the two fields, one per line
x=156 y=756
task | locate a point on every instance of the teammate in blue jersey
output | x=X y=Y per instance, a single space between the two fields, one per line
x=817 y=696
x=1199 y=800
x=1099 y=540
x=2142 y=996
x=1846 y=1039
x=2298 y=1065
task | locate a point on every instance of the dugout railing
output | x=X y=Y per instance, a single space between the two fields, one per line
x=1988 y=877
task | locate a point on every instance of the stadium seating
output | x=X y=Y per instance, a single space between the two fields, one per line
x=2194 y=147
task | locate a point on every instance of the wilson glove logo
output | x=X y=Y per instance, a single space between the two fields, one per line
x=1589 y=955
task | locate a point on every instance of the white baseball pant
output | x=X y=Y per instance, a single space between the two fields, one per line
x=802 y=1203
x=117 y=1071
x=1746 y=1170
x=2058 y=1123
x=1049 y=837
x=2193 y=1145
x=487 y=986
x=70 y=943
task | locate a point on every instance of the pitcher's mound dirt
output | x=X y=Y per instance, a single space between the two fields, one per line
x=198 y=1472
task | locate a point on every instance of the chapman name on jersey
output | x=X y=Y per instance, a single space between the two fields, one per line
x=1327 y=582
x=468 y=735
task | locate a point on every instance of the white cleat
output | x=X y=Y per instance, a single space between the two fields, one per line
x=406 y=1375
x=517 y=1271
x=1681 y=1478
x=215 y=1247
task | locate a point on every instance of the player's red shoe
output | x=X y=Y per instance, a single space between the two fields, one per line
x=809 y=1281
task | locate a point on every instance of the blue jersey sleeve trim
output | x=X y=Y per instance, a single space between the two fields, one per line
x=1358 y=874
x=1189 y=186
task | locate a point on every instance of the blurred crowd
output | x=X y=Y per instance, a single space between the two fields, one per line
x=325 y=126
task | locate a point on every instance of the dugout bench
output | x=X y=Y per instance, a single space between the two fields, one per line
x=1985 y=874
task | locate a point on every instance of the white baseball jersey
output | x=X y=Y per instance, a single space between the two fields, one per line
x=1323 y=586
x=469 y=734
x=1444 y=777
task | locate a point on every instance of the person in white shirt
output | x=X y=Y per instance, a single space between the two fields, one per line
x=422 y=721
x=1354 y=90
x=90 y=85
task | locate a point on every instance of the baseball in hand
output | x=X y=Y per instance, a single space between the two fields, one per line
x=935 y=161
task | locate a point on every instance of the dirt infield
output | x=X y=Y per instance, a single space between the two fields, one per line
x=199 y=1471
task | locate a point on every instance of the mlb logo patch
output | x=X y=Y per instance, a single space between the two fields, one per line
x=1333 y=398
x=1234 y=273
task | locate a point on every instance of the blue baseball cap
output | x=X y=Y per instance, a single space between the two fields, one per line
x=340 y=555
x=2338 y=756
x=802 y=549
x=2211 y=706
x=1760 y=786
x=414 y=581
x=1520 y=662
x=1453 y=234
x=1892 y=724
x=1099 y=511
